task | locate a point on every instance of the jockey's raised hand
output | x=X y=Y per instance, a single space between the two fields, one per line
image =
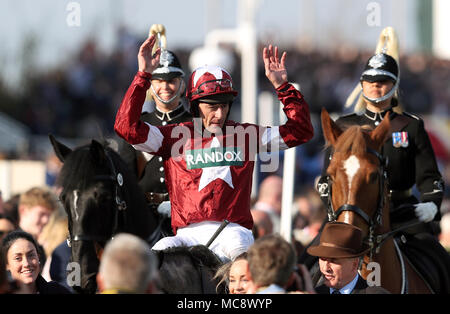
x=275 y=68
x=147 y=61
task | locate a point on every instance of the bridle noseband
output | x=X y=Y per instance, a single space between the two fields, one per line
x=377 y=218
x=121 y=206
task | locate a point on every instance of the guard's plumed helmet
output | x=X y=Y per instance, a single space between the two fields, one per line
x=380 y=67
x=169 y=67
x=209 y=84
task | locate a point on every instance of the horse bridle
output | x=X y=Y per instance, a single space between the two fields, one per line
x=121 y=206
x=377 y=219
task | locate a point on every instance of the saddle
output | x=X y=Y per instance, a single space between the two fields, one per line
x=429 y=258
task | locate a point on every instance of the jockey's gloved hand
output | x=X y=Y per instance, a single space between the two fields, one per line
x=164 y=209
x=426 y=211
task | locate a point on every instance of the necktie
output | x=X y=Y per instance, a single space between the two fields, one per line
x=336 y=292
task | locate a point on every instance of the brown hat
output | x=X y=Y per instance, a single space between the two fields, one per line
x=339 y=240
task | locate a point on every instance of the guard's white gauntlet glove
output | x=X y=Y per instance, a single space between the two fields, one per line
x=164 y=208
x=426 y=211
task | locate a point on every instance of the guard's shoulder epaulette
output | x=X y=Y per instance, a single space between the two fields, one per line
x=410 y=115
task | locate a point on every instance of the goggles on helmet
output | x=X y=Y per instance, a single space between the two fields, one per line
x=212 y=86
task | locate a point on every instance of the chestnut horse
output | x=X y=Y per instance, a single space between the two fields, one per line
x=359 y=197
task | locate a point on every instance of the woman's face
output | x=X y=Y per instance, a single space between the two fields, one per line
x=239 y=277
x=23 y=261
x=167 y=89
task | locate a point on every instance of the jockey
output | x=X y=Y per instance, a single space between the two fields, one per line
x=209 y=162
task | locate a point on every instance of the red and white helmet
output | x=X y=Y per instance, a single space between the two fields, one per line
x=208 y=82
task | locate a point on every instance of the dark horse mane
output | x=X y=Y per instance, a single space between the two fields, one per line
x=188 y=270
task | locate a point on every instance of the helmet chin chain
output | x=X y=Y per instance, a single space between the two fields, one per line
x=166 y=102
x=385 y=97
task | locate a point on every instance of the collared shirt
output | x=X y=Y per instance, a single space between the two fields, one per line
x=348 y=288
x=377 y=116
x=170 y=115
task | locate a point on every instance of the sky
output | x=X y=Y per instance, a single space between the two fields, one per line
x=57 y=33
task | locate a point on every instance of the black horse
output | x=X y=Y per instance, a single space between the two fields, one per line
x=101 y=198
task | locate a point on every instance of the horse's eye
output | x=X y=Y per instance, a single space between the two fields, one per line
x=373 y=177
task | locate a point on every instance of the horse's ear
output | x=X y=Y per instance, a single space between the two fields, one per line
x=61 y=150
x=380 y=134
x=97 y=151
x=331 y=131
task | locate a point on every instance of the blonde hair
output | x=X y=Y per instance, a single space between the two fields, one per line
x=222 y=274
x=387 y=43
x=38 y=196
x=55 y=231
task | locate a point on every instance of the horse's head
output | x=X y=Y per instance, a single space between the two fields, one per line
x=356 y=172
x=101 y=198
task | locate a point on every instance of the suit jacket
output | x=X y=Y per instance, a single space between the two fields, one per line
x=361 y=287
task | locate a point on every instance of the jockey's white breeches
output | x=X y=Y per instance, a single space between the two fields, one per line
x=232 y=241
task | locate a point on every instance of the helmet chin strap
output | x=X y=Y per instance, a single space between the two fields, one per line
x=385 y=97
x=166 y=102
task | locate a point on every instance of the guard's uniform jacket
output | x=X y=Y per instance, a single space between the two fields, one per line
x=149 y=168
x=411 y=160
x=209 y=178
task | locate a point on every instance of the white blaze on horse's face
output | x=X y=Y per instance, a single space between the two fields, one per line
x=351 y=167
x=75 y=203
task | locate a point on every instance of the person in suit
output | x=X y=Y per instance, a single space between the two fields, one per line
x=340 y=251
